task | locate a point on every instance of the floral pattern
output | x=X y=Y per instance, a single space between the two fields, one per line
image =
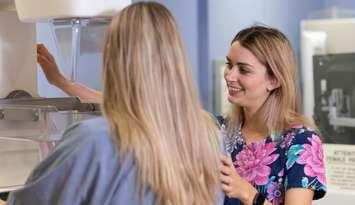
x=312 y=157
x=252 y=162
x=275 y=192
x=294 y=159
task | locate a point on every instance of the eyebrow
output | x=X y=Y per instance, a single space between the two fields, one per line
x=244 y=64
x=239 y=63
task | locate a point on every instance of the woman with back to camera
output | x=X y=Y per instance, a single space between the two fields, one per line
x=265 y=122
x=148 y=148
x=276 y=154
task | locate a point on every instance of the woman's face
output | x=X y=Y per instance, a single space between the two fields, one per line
x=247 y=79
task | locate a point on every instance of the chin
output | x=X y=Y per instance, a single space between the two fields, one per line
x=234 y=101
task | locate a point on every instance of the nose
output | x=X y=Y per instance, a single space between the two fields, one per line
x=231 y=74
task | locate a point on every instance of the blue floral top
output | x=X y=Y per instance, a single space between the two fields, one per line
x=274 y=166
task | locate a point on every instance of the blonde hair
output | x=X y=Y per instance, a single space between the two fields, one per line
x=282 y=109
x=154 y=110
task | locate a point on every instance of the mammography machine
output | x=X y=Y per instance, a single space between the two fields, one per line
x=29 y=124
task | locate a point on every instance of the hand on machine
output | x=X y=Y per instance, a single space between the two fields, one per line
x=52 y=72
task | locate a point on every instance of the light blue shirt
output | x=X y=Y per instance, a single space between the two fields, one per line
x=84 y=168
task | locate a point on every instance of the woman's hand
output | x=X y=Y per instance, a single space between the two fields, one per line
x=56 y=78
x=234 y=185
x=49 y=67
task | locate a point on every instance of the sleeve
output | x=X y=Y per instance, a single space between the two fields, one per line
x=69 y=173
x=305 y=163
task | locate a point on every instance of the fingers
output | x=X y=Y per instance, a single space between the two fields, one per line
x=226 y=170
x=43 y=61
x=227 y=189
x=225 y=179
x=39 y=46
x=228 y=176
x=227 y=160
x=45 y=58
x=41 y=54
x=227 y=186
x=227 y=167
x=43 y=51
x=42 y=48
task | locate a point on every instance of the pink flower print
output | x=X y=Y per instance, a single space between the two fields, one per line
x=275 y=193
x=251 y=163
x=312 y=157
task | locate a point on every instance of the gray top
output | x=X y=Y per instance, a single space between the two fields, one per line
x=84 y=169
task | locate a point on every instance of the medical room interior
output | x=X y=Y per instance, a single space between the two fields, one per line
x=34 y=113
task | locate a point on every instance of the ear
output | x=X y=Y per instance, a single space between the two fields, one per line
x=273 y=84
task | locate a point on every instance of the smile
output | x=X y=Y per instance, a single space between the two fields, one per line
x=235 y=89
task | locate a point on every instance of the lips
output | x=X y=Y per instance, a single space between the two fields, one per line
x=234 y=90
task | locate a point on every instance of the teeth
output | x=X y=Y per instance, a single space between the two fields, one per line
x=235 y=89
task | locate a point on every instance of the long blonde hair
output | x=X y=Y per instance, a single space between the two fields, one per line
x=282 y=108
x=153 y=108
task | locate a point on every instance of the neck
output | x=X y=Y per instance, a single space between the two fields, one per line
x=252 y=120
x=253 y=128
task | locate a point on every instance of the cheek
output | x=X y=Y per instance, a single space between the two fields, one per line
x=256 y=85
x=247 y=83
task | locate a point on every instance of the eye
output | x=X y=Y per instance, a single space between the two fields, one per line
x=243 y=70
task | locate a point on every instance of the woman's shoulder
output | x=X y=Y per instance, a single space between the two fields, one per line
x=94 y=131
x=82 y=142
x=90 y=127
x=89 y=160
x=300 y=134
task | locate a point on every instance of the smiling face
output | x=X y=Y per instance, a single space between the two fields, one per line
x=247 y=79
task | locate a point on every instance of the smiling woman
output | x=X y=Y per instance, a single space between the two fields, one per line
x=268 y=138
